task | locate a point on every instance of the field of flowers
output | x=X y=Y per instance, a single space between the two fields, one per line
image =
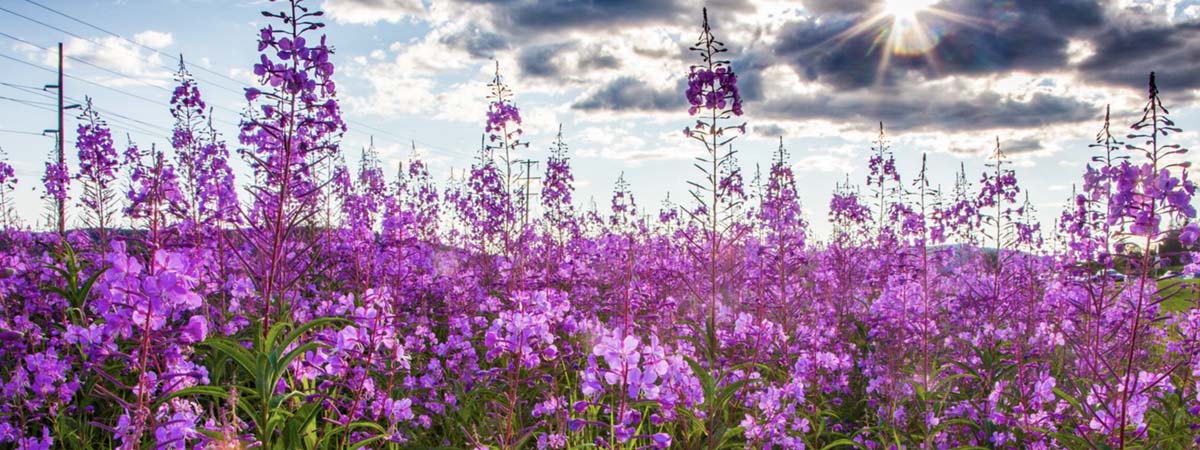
x=308 y=307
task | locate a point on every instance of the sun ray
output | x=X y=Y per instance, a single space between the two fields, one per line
x=901 y=28
x=906 y=9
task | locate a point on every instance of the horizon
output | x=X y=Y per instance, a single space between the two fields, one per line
x=820 y=75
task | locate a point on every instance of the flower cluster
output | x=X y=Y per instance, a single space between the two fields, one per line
x=713 y=89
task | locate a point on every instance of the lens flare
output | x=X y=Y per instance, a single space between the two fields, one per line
x=905 y=31
x=906 y=34
x=905 y=9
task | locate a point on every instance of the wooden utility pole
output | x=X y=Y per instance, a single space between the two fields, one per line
x=60 y=150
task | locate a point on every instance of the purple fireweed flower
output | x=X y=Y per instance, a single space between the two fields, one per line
x=98 y=159
x=56 y=180
x=1189 y=234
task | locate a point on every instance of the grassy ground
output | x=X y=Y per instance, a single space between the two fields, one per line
x=1182 y=299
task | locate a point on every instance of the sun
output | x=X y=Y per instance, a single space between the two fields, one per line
x=902 y=32
x=907 y=29
x=903 y=10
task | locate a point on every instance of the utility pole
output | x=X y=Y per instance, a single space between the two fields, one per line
x=60 y=204
x=527 y=193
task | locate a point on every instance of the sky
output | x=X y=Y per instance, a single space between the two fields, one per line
x=947 y=78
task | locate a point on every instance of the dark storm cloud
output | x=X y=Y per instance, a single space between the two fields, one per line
x=1125 y=56
x=981 y=38
x=768 y=130
x=631 y=94
x=930 y=111
x=539 y=18
x=541 y=60
x=598 y=59
x=523 y=16
x=1021 y=146
x=987 y=37
x=821 y=7
x=1009 y=147
x=477 y=41
x=547 y=61
x=749 y=70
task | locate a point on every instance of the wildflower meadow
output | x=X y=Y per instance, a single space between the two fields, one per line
x=306 y=305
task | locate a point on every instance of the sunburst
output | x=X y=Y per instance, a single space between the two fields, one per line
x=906 y=9
x=905 y=28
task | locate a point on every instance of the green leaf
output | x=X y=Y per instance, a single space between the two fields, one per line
x=233 y=350
x=843 y=442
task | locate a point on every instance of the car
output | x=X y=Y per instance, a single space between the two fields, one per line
x=1111 y=274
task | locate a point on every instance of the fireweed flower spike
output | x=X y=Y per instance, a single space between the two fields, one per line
x=8 y=183
x=98 y=164
x=201 y=160
x=290 y=128
x=713 y=96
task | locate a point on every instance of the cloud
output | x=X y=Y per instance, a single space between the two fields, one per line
x=527 y=16
x=154 y=39
x=133 y=63
x=768 y=130
x=566 y=61
x=1125 y=56
x=626 y=94
x=476 y=40
x=1013 y=147
x=622 y=142
x=825 y=162
x=369 y=12
x=393 y=90
x=817 y=7
x=968 y=37
x=541 y=60
x=799 y=70
x=925 y=109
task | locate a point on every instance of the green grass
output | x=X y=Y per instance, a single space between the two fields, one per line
x=1184 y=298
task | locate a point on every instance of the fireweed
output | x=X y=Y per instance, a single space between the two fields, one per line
x=333 y=307
x=8 y=183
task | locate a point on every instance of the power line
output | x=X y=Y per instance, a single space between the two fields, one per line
x=130 y=94
x=106 y=111
x=5 y=130
x=118 y=36
x=82 y=61
x=24 y=62
x=37 y=89
x=397 y=138
x=29 y=104
x=125 y=122
x=25 y=101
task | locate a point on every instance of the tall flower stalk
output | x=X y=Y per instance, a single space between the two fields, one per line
x=201 y=160
x=98 y=164
x=1145 y=196
x=8 y=184
x=289 y=130
x=503 y=140
x=713 y=96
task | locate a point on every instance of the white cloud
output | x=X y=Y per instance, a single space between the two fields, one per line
x=369 y=12
x=1191 y=12
x=111 y=60
x=157 y=40
x=830 y=159
x=620 y=141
